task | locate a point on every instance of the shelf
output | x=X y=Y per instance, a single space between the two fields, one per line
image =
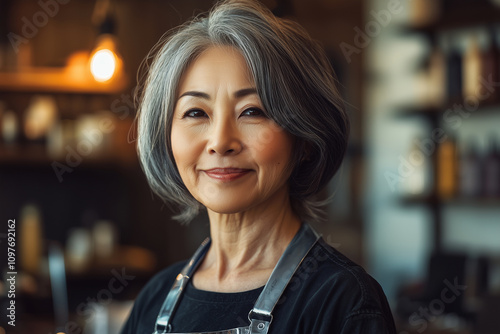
x=477 y=202
x=36 y=155
x=417 y=199
x=137 y=260
x=457 y=201
x=479 y=13
x=489 y=106
x=57 y=80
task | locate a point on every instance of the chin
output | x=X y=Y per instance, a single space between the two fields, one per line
x=226 y=209
x=229 y=206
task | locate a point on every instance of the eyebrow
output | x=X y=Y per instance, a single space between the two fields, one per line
x=238 y=94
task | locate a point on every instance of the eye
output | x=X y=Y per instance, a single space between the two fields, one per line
x=194 y=113
x=253 y=112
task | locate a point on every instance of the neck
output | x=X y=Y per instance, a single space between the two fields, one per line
x=248 y=243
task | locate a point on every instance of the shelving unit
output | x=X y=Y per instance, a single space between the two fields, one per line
x=26 y=166
x=70 y=82
x=482 y=14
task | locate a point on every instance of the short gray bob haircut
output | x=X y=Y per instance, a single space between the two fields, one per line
x=294 y=81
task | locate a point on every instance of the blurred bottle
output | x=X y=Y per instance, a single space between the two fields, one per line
x=436 y=78
x=447 y=168
x=472 y=68
x=55 y=140
x=470 y=171
x=491 y=175
x=424 y=12
x=454 y=75
x=419 y=182
x=79 y=249
x=104 y=238
x=491 y=62
x=9 y=126
x=30 y=239
x=41 y=115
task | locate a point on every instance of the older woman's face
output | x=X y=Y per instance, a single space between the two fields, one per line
x=231 y=157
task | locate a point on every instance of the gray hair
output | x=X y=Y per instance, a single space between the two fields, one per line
x=294 y=81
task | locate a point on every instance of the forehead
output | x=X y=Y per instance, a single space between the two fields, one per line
x=217 y=65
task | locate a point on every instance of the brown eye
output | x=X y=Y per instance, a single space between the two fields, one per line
x=253 y=112
x=194 y=113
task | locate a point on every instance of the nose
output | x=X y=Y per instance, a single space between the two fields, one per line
x=224 y=137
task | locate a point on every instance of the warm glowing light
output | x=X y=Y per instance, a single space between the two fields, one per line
x=103 y=65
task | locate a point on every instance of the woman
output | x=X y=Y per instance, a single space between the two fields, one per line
x=240 y=116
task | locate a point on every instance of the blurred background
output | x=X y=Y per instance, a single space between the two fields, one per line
x=416 y=202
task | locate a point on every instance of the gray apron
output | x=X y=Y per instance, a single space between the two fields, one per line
x=261 y=315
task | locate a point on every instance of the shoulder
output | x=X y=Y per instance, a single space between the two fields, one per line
x=332 y=267
x=149 y=301
x=325 y=268
x=334 y=294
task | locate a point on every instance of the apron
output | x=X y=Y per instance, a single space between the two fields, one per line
x=261 y=315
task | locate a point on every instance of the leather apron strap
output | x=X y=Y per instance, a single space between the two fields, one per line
x=170 y=304
x=261 y=315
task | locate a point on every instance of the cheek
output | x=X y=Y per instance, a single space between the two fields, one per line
x=273 y=147
x=183 y=147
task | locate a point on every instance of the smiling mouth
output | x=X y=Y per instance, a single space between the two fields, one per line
x=226 y=174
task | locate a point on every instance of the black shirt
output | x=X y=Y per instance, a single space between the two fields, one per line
x=328 y=294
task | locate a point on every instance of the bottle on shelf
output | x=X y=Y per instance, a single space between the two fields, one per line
x=436 y=82
x=491 y=62
x=491 y=174
x=472 y=68
x=79 y=249
x=104 y=238
x=41 y=115
x=418 y=184
x=470 y=171
x=454 y=73
x=30 y=239
x=9 y=126
x=446 y=175
x=424 y=12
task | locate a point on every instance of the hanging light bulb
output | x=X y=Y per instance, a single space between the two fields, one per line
x=105 y=62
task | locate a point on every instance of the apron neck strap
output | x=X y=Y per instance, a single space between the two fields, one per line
x=170 y=304
x=261 y=315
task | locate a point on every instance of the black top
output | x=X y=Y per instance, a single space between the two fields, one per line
x=328 y=294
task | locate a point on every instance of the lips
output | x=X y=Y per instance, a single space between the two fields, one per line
x=226 y=174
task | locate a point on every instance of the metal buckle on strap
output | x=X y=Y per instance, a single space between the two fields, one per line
x=259 y=322
x=259 y=327
x=161 y=329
